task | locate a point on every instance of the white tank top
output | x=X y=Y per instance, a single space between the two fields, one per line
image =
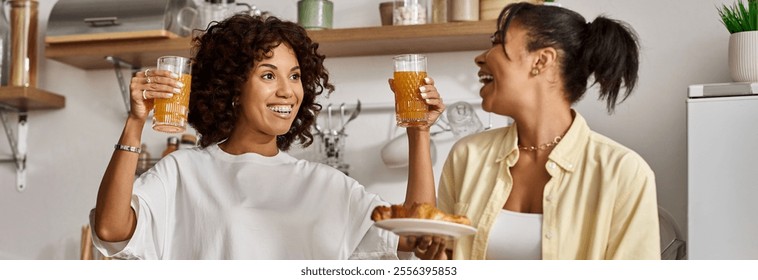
x=515 y=236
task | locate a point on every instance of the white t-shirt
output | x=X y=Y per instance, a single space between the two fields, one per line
x=208 y=204
x=515 y=236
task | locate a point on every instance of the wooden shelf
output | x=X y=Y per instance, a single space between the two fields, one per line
x=365 y=41
x=387 y=40
x=28 y=98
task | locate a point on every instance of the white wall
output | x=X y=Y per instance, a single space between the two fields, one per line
x=682 y=43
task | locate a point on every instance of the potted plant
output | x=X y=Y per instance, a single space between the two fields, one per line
x=742 y=23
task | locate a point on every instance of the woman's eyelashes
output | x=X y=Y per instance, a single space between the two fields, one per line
x=271 y=76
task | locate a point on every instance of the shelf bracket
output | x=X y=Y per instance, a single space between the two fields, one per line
x=17 y=143
x=122 y=83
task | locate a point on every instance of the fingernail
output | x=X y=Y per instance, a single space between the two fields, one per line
x=422 y=89
x=427 y=80
x=177 y=90
x=169 y=95
x=174 y=75
x=423 y=95
x=180 y=84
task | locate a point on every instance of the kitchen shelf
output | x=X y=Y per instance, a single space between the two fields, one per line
x=347 y=42
x=19 y=100
x=29 y=98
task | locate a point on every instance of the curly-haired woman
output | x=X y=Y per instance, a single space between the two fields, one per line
x=239 y=195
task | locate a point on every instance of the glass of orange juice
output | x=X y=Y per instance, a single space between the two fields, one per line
x=170 y=114
x=410 y=108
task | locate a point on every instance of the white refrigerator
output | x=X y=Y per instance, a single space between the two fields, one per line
x=722 y=166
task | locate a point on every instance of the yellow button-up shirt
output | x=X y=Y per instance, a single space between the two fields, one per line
x=599 y=204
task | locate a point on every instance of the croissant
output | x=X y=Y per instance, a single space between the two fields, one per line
x=417 y=211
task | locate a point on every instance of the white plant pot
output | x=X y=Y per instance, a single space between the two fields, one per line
x=743 y=56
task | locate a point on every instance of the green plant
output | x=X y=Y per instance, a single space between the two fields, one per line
x=738 y=18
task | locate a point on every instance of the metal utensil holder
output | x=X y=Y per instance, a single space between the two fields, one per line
x=332 y=150
x=331 y=139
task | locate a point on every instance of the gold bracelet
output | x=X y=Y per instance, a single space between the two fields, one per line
x=128 y=148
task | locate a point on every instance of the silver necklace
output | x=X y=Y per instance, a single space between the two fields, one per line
x=542 y=147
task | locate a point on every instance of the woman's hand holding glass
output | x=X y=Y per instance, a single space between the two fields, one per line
x=432 y=99
x=148 y=85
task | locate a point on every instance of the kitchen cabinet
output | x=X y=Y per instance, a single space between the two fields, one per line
x=347 y=42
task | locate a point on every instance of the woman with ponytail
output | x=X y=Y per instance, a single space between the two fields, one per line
x=548 y=187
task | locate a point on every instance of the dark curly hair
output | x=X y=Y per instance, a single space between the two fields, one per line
x=223 y=57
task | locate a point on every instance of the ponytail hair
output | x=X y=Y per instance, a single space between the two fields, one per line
x=606 y=48
x=611 y=53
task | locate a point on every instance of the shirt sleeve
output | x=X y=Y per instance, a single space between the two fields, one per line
x=368 y=241
x=148 y=202
x=377 y=244
x=634 y=230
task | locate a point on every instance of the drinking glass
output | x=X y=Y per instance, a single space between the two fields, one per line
x=410 y=108
x=170 y=114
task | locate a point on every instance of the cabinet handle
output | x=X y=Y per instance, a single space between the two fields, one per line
x=101 y=21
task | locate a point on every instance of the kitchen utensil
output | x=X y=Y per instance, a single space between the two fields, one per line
x=316 y=126
x=352 y=116
x=329 y=118
x=342 y=115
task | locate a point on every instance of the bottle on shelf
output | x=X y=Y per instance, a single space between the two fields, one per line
x=172 y=144
x=143 y=163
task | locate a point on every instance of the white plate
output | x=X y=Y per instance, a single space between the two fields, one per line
x=425 y=227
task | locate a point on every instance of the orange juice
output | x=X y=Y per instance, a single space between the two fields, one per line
x=410 y=108
x=171 y=113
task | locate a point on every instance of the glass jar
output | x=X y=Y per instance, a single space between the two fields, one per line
x=5 y=45
x=23 y=65
x=215 y=10
x=315 y=14
x=464 y=10
x=440 y=11
x=409 y=12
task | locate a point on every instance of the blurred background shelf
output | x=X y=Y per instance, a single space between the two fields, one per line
x=29 y=98
x=347 y=42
